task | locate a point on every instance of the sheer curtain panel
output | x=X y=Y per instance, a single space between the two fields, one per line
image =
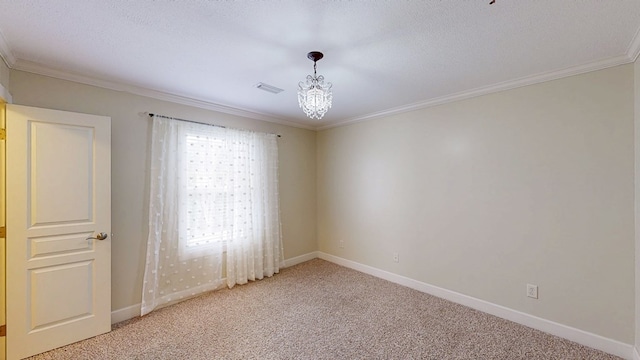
x=213 y=195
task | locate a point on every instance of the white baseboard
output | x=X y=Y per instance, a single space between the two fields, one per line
x=132 y=311
x=125 y=313
x=595 y=341
x=300 y=259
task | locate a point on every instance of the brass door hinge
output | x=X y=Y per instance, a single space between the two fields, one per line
x=3 y=232
x=3 y=134
x=3 y=330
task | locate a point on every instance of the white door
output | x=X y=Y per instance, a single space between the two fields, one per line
x=58 y=202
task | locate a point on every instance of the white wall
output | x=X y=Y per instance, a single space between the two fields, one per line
x=130 y=131
x=482 y=196
x=4 y=74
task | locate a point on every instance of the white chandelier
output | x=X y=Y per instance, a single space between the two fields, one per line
x=314 y=95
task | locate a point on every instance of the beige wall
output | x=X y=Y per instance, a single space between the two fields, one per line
x=130 y=135
x=532 y=185
x=482 y=196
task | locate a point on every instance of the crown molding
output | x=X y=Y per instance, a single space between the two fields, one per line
x=5 y=52
x=633 y=52
x=506 y=85
x=36 y=68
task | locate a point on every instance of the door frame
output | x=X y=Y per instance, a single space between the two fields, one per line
x=5 y=98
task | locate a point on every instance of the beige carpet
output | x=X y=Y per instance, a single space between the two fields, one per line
x=319 y=310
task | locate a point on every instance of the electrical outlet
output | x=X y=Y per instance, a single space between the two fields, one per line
x=396 y=257
x=532 y=291
x=341 y=244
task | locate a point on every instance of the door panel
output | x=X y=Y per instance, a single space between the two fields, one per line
x=59 y=198
x=72 y=301
x=42 y=246
x=61 y=191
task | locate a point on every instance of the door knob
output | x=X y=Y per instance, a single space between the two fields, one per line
x=100 y=236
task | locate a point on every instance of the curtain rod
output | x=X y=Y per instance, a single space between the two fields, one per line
x=191 y=121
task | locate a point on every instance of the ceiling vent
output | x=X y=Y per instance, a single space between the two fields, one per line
x=268 y=88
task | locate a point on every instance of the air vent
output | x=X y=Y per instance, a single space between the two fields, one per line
x=268 y=88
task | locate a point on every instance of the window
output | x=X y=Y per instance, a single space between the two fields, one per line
x=204 y=191
x=204 y=224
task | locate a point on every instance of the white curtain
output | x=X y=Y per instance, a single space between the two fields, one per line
x=213 y=195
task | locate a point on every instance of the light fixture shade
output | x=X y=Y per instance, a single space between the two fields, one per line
x=314 y=95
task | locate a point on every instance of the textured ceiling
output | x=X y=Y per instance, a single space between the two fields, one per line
x=382 y=56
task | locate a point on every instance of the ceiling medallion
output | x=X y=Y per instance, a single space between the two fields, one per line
x=314 y=95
